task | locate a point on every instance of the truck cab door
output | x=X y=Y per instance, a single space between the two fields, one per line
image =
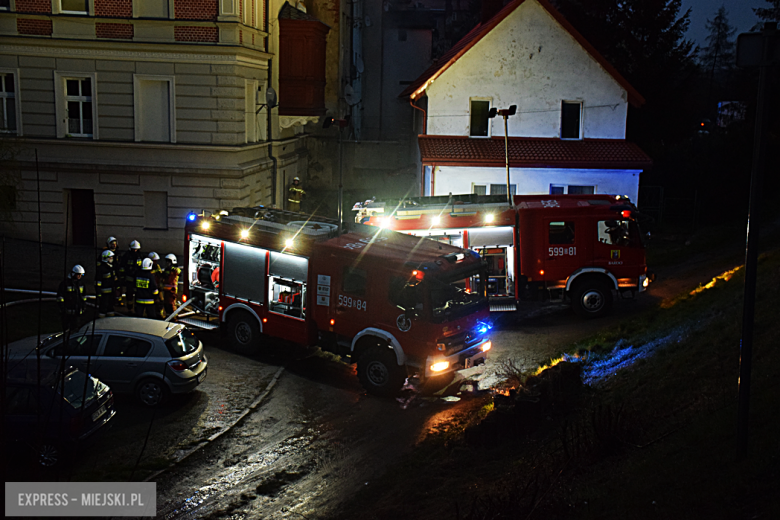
x=564 y=248
x=618 y=247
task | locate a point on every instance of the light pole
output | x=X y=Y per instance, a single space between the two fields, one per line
x=342 y=123
x=505 y=113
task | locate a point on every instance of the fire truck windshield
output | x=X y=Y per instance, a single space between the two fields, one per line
x=453 y=298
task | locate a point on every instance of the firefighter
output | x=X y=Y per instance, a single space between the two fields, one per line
x=295 y=195
x=159 y=278
x=128 y=268
x=105 y=284
x=71 y=299
x=170 y=285
x=111 y=245
x=146 y=292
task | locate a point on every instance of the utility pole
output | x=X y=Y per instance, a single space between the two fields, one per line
x=341 y=123
x=760 y=50
x=505 y=113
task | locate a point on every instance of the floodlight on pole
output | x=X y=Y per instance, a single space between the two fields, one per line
x=505 y=113
x=340 y=123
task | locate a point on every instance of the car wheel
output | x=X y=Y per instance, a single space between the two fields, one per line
x=244 y=331
x=379 y=373
x=591 y=299
x=151 y=392
x=48 y=454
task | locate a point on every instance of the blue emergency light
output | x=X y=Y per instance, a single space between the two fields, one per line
x=191 y=217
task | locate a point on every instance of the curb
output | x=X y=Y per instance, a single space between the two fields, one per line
x=224 y=430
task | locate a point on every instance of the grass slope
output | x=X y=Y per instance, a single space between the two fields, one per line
x=655 y=439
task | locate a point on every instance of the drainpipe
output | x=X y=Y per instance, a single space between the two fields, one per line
x=425 y=116
x=270 y=138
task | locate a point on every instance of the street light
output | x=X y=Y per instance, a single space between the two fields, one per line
x=505 y=113
x=341 y=123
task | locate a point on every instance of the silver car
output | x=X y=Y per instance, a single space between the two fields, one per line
x=147 y=358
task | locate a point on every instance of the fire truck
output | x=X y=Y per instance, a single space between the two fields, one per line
x=582 y=249
x=394 y=304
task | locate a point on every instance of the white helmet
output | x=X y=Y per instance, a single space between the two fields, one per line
x=107 y=256
x=171 y=257
x=154 y=256
x=77 y=269
x=109 y=240
x=135 y=245
x=297 y=179
x=146 y=265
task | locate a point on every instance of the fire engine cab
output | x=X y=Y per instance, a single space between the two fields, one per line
x=395 y=304
x=581 y=248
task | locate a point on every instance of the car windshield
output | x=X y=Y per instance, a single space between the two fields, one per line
x=182 y=343
x=80 y=389
x=452 y=296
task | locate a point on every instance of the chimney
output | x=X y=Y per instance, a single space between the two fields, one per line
x=490 y=8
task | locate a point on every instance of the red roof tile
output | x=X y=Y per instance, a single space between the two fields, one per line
x=418 y=86
x=532 y=152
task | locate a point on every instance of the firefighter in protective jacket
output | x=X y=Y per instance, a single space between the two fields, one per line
x=71 y=299
x=170 y=284
x=105 y=284
x=146 y=292
x=295 y=195
x=129 y=267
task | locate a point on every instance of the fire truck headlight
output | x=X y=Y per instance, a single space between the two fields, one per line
x=441 y=365
x=436 y=221
x=489 y=218
x=487 y=346
x=289 y=242
x=646 y=282
x=205 y=226
x=384 y=222
x=244 y=233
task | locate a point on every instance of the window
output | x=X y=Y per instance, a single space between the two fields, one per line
x=153 y=108
x=479 y=125
x=78 y=96
x=479 y=189
x=561 y=233
x=156 y=210
x=354 y=281
x=500 y=189
x=5 y=5
x=560 y=189
x=571 y=120
x=78 y=346
x=74 y=6
x=7 y=198
x=614 y=232
x=8 y=114
x=250 y=117
x=125 y=346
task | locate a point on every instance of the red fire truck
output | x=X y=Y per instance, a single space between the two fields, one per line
x=394 y=304
x=581 y=248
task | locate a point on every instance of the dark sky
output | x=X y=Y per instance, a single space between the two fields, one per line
x=740 y=16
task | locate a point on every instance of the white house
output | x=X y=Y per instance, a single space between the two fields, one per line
x=568 y=132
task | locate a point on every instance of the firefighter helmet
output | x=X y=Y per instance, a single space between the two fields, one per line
x=135 y=245
x=297 y=179
x=154 y=256
x=171 y=257
x=77 y=269
x=109 y=240
x=146 y=265
x=107 y=256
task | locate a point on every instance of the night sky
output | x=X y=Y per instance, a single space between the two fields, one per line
x=740 y=16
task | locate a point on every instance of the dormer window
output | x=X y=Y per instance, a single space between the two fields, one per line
x=479 y=124
x=571 y=120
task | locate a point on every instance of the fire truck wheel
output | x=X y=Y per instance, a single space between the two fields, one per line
x=591 y=298
x=379 y=372
x=244 y=331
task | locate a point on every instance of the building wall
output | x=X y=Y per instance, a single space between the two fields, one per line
x=532 y=181
x=528 y=60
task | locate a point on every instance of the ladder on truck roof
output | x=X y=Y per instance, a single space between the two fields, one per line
x=280 y=221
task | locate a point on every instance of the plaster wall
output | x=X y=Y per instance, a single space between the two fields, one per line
x=532 y=181
x=528 y=60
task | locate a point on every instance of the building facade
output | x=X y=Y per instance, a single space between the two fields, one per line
x=125 y=115
x=568 y=128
